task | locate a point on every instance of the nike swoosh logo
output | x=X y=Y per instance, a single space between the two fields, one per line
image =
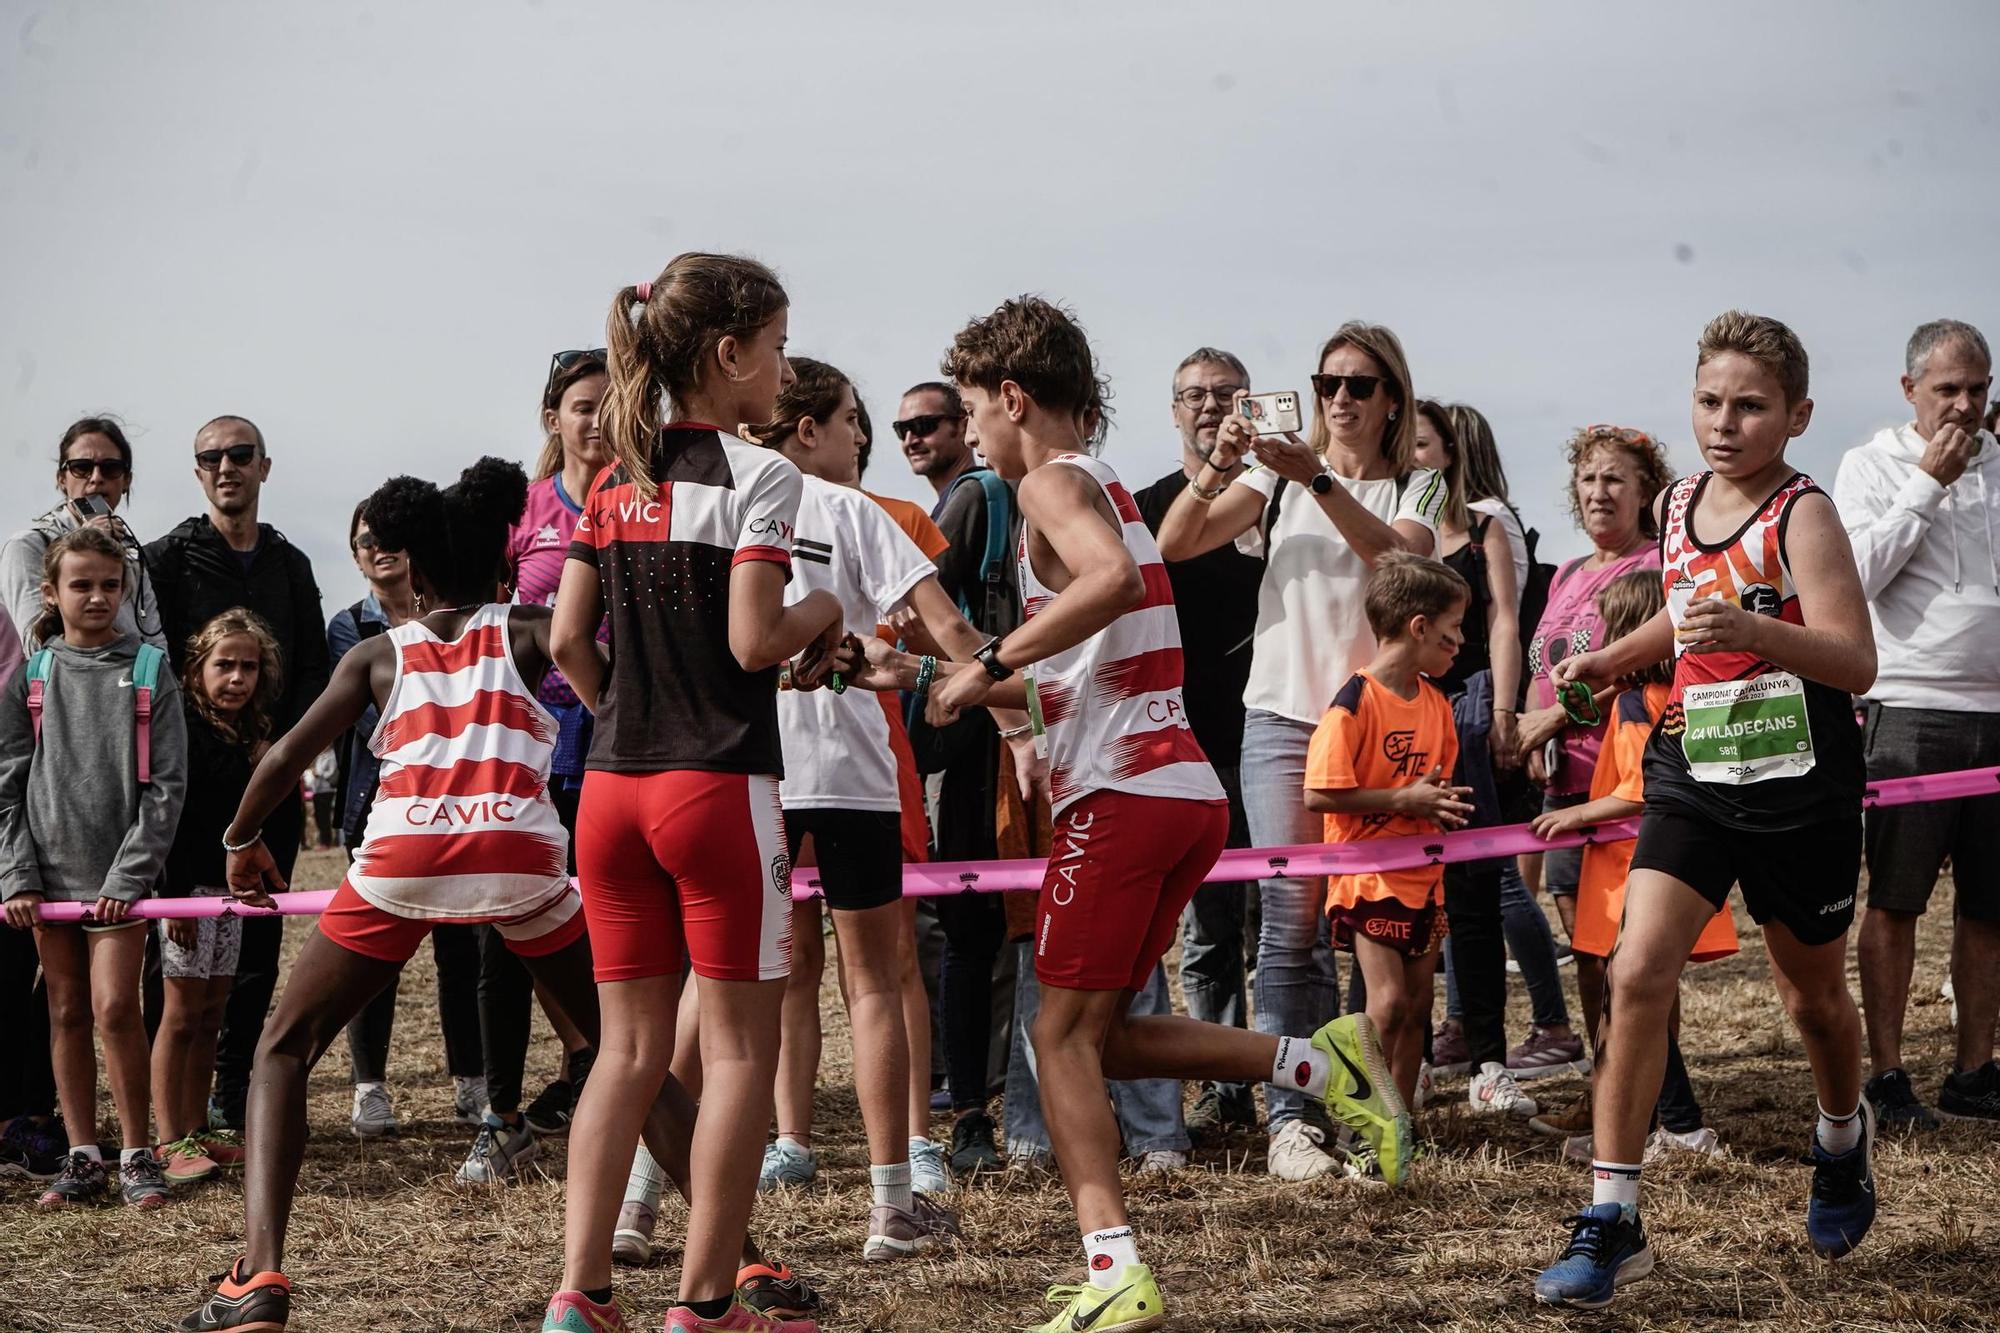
x=1363 y=1089
x=124 y=682
x=1080 y=1321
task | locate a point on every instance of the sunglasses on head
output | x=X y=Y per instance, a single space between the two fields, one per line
x=1359 y=387
x=923 y=425
x=239 y=455
x=112 y=468
x=563 y=361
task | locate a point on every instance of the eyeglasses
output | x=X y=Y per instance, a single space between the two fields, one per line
x=239 y=455
x=367 y=541
x=1359 y=387
x=109 y=468
x=563 y=361
x=1193 y=397
x=1622 y=434
x=921 y=426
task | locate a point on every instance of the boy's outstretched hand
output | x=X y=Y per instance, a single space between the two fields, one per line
x=1430 y=797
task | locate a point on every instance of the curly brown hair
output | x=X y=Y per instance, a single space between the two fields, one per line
x=1038 y=345
x=1647 y=453
x=255 y=722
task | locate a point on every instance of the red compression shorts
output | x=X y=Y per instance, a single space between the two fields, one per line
x=356 y=924
x=682 y=865
x=1121 y=869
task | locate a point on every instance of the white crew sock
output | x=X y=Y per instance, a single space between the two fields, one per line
x=1839 y=1133
x=1300 y=1065
x=1109 y=1253
x=90 y=1150
x=646 y=1181
x=125 y=1155
x=1615 y=1182
x=360 y=1088
x=892 y=1185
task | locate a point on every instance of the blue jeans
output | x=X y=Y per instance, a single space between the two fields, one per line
x=1148 y=1110
x=1212 y=970
x=1296 y=987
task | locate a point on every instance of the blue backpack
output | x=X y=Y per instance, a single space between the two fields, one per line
x=145 y=676
x=993 y=563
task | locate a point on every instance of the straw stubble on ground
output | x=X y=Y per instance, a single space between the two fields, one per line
x=383 y=1240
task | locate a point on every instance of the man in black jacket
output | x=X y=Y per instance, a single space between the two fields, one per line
x=212 y=563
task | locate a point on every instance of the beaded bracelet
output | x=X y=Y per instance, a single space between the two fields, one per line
x=926 y=673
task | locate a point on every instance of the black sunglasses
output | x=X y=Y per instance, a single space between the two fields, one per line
x=1359 y=387
x=241 y=455
x=81 y=468
x=563 y=361
x=922 y=425
x=367 y=541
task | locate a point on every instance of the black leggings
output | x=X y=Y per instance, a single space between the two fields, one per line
x=256 y=974
x=27 y=1084
x=506 y=991
x=456 y=949
x=975 y=926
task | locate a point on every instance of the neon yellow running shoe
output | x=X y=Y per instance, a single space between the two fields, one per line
x=1132 y=1304
x=1360 y=1093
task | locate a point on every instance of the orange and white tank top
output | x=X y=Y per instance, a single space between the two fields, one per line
x=462 y=824
x=1109 y=710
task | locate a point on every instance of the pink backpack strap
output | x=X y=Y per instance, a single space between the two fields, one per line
x=38 y=674
x=145 y=675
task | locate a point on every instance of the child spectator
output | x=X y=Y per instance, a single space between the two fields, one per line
x=90 y=789
x=228 y=690
x=1617 y=791
x=1377 y=768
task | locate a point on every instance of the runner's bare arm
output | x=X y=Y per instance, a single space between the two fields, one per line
x=579 y=611
x=763 y=631
x=1651 y=642
x=362 y=676
x=955 y=638
x=1836 y=644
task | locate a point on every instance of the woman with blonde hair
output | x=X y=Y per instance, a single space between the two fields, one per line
x=1321 y=511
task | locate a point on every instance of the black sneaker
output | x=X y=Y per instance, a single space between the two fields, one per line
x=256 y=1303
x=776 y=1292
x=972 y=1149
x=550 y=1111
x=1972 y=1094
x=28 y=1150
x=1896 y=1104
x=82 y=1177
x=142 y=1181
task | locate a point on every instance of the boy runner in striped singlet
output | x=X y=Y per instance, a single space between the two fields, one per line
x=1139 y=814
x=462 y=830
x=1754 y=776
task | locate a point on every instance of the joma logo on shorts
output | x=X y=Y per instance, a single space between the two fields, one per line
x=1843 y=904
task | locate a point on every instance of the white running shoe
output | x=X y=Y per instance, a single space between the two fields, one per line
x=1702 y=1141
x=1493 y=1091
x=1162 y=1162
x=928 y=1174
x=632 y=1242
x=1427 y=1088
x=498 y=1152
x=1298 y=1152
x=374 y=1116
x=786 y=1165
x=468 y=1100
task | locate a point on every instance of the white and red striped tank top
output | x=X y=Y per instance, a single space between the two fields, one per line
x=1112 y=704
x=462 y=824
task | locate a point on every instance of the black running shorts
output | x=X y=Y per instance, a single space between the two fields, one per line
x=859 y=855
x=1804 y=878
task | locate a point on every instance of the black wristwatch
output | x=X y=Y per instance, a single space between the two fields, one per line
x=988 y=657
x=1322 y=482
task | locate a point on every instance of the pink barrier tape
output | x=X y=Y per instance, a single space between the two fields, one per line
x=1308 y=860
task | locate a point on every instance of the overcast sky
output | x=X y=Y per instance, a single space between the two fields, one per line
x=367 y=227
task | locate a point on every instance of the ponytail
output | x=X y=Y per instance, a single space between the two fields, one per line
x=630 y=415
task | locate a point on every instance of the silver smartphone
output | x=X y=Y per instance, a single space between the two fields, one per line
x=1271 y=413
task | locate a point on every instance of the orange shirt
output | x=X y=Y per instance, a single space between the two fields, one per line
x=1600 y=893
x=914 y=521
x=1370 y=739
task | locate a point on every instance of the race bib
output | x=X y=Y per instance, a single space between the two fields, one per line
x=1743 y=731
x=1041 y=733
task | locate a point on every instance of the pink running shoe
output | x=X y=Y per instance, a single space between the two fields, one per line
x=574 y=1312
x=740 y=1319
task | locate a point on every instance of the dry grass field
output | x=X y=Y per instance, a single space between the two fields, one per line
x=382 y=1240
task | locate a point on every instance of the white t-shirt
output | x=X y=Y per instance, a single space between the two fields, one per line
x=837 y=745
x=1312 y=630
x=1517 y=542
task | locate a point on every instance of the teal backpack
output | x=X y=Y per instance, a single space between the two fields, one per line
x=145 y=676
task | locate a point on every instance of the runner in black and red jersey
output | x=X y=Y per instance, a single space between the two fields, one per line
x=1139 y=814
x=1753 y=776
x=686 y=543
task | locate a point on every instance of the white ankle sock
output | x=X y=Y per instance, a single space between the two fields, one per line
x=892 y=1185
x=360 y=1088
x=1839 y=1133
x=125 y=1155
x=1300 y=1064
x=1615 y=1182
x=90 y=1150
x=1109 y=1253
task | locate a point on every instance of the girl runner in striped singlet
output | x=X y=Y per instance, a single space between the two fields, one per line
x=462 y=830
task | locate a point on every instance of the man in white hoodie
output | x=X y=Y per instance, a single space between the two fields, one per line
x=1921 y=504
